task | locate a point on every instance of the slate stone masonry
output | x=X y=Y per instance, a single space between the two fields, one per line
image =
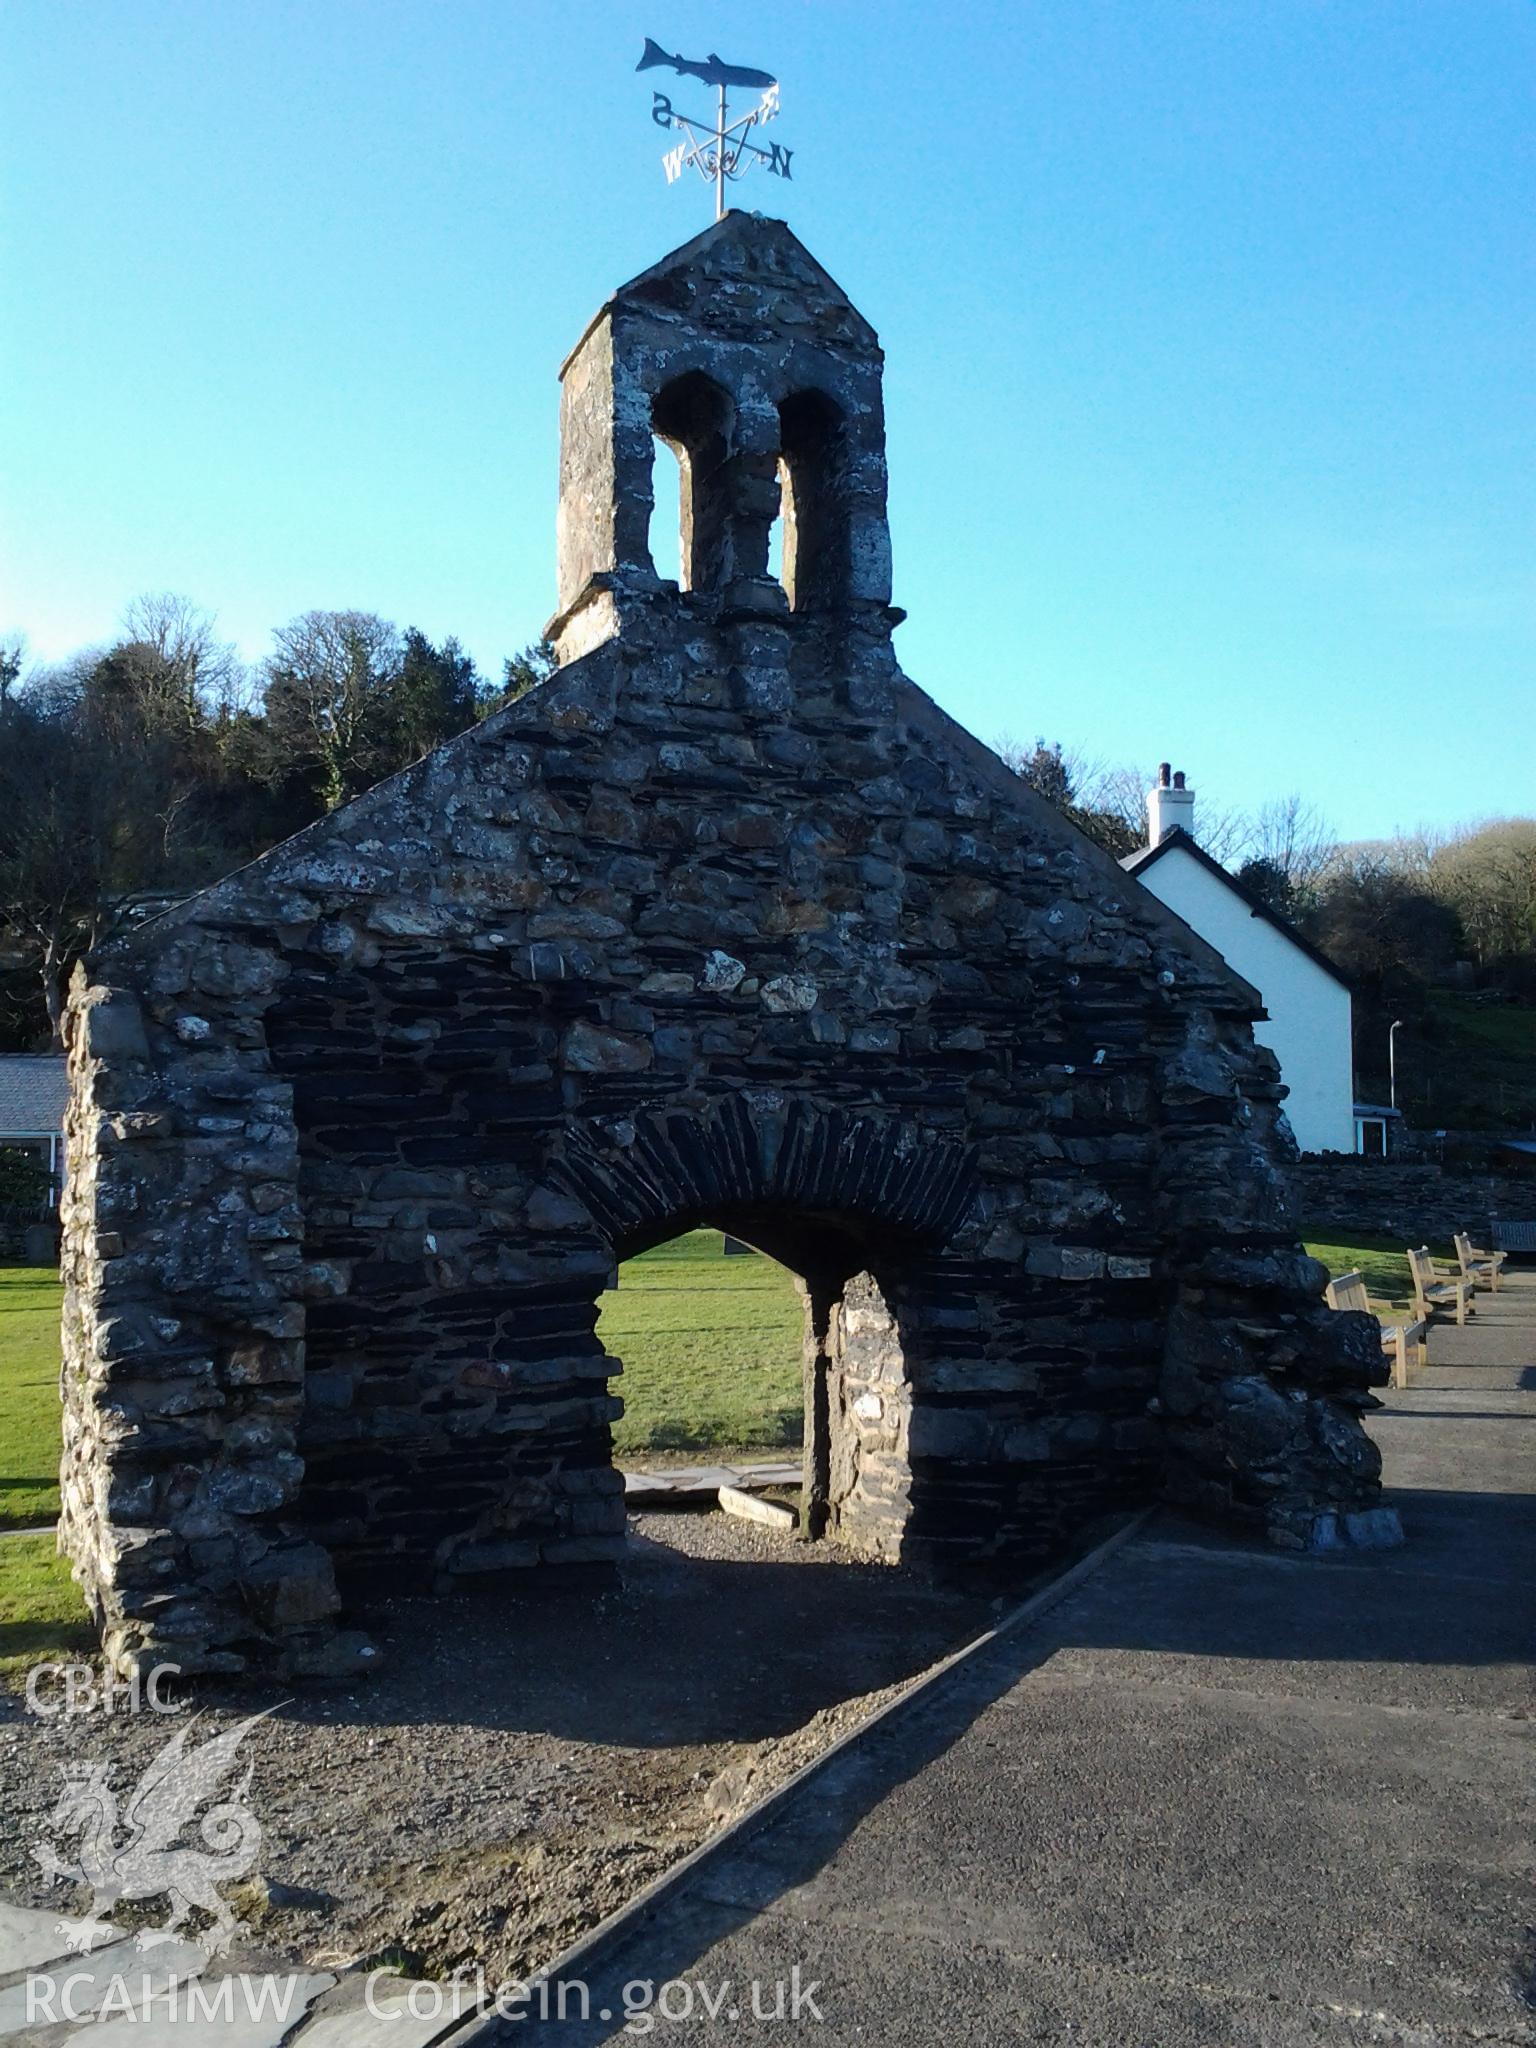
x=727 y=924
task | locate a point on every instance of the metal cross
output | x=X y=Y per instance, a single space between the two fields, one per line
x=724 y=150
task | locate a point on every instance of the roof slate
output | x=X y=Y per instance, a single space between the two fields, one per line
x=33 y=1092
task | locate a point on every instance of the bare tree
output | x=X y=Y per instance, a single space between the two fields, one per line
x=332 y=697
x=71 y=824
x=1070 y=781
x=1115 y=799
x=184 y=671
x=1488 y=876
x=13 y=655
x=1050 y=769
x=1120 y=793
x=1294 y=839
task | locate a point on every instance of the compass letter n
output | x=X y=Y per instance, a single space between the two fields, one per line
x=778 y=160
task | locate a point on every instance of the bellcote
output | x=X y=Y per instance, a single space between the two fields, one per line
x=742 y=356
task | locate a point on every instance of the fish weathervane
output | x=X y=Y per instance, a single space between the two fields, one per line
x=723 y=150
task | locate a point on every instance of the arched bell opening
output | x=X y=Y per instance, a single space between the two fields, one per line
x=816 y=556
x=693 y=417
x=777 y=530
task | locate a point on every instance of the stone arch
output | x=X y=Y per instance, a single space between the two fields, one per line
x=790 y=1165
x=846 y=1201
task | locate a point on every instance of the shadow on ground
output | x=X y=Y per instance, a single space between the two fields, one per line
x=1206 y=1610
x=682 y=1649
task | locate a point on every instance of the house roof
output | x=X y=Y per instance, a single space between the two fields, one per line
x=1138 y=863
x=33 y=1092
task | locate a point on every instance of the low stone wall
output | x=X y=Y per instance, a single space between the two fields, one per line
x=1418 y=1202
x=28 y=1239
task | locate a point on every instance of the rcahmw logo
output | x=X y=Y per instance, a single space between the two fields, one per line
x=133 y=1851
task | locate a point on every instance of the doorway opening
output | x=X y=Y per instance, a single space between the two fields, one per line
x=764 y=1356
x=711 y=1334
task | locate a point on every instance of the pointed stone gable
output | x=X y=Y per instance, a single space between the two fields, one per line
x=726 y=924
x=734 y=281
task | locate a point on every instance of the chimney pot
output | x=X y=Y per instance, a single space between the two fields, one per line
x=1170 y=806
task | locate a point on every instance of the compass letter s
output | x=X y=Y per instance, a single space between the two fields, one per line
x=661 y=110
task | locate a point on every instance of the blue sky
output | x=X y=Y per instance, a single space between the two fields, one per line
x=1209 y=326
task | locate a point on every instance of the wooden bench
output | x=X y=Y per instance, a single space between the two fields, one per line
x=1397 y=1331
x=1478 y=1266
x=1434 y=1290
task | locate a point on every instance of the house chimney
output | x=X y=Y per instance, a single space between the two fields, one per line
x=1168 y=805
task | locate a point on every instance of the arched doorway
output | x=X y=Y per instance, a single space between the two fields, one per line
x=800 y=1352
x=710 y=1332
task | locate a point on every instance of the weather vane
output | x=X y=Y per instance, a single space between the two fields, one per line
x=724 y=150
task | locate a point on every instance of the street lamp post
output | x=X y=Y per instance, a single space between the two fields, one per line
x=1392 y=1058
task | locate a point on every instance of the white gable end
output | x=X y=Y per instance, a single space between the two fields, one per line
x=1309 y=1025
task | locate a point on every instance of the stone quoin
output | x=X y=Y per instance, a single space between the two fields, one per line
x=725 y=924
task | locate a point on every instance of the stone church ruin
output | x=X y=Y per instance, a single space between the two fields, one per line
x=725 y=924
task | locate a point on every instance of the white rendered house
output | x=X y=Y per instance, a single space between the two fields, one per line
x=1309 y=1023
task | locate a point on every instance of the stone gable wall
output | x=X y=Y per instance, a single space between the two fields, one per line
x=358 y=1134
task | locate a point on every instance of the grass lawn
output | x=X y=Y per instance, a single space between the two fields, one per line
x=41 y=1613
x=29 y=1396
x=1383 y=1261
x=42 y=1616
x=711 y=1349
x=710 y=1344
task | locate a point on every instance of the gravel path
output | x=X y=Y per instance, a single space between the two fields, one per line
x=526 y=1760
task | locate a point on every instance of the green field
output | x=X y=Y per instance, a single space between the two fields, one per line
x=41 y=1612
x=711 y=1350
x=29 y=1396
x=1382 y=1260
x=710 y=1345
x=42 y=1616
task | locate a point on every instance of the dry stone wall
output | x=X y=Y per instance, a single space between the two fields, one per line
x=1416 y=1201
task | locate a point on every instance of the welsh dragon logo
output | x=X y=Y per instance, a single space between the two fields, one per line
x=135 y=1853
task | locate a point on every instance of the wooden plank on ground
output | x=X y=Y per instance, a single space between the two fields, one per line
x=746 y=1507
